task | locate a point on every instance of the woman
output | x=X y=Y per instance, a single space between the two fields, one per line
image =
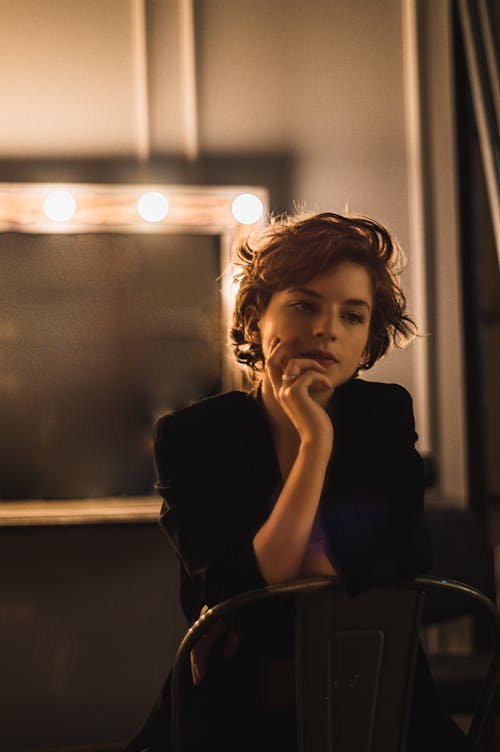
x=313 y=472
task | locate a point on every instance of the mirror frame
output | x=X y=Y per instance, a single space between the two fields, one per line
x=103 y=208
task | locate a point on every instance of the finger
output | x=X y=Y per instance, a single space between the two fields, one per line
x=296 y=366
x=277 y=360
x=276 y=352
x=204 y=646
x=313 y=375
x=304 y=381
x=199 y=653
x=198 y=658
x=194 y=669
x=274 y=343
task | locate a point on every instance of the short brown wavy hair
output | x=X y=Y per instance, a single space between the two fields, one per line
x=293 y=250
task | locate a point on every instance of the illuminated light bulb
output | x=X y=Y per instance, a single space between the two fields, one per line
x=247 y=208
x=59 y=206
x=153 y=206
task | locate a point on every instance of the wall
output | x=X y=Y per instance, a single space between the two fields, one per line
x=310 y=84
x=323 y=87
x=66 y=78
x=446 y=340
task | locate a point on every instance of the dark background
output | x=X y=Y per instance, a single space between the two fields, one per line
x=89 y=624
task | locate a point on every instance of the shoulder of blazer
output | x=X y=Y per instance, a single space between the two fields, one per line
x=375 y=388
x=372 y=394
x=377 y=407
x=211 y=415
x=213 y=441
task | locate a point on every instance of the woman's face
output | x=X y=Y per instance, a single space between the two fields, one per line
x=327 y=319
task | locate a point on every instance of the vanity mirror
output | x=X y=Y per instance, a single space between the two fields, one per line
x=115 y=303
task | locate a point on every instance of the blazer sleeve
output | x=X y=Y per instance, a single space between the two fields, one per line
x=375 y=525
x=201 y=517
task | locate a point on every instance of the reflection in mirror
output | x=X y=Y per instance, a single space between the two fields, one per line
x=100 y=334
x=105 y=333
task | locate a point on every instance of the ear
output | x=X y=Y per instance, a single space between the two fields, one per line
x=252 y=330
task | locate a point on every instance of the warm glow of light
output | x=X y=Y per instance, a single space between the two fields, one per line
x=59 y=206
x=247 y=208
x=153 y=206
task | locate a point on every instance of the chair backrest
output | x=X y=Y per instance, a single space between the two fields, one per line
x=436 y=586
x=461 y=553
x=355 y=660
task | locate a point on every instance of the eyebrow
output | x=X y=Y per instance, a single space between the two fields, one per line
x=314 y=294
x=357 y=302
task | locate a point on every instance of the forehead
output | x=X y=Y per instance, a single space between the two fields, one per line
x=346 y=280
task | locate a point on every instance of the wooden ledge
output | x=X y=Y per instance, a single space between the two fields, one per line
x=80 y=511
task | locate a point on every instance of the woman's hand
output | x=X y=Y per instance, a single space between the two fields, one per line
x=199 y=654
x=292 y=379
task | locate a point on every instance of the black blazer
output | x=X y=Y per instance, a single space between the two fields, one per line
x=219 y=475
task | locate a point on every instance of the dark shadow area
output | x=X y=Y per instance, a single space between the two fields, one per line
x=89 y=626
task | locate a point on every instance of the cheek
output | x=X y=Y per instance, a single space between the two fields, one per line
x=359 y=345
x=267 y=332
x=274 y=326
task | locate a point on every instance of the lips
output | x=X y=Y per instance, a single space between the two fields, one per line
x=322 y=356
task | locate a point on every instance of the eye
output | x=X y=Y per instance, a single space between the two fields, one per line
x=353 y=317
x=303 y=305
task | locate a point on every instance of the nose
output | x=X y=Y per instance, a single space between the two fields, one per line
x=325 y=327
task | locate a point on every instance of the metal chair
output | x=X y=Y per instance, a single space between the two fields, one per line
x=354 y=661
x=461 y=552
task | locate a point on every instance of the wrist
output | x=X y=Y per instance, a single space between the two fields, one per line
x=314 y=448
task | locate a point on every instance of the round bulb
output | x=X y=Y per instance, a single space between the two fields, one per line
x=153 y=206
x=247 y=208
x=59 y=206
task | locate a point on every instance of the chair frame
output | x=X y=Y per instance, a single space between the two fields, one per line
x=421 y=584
